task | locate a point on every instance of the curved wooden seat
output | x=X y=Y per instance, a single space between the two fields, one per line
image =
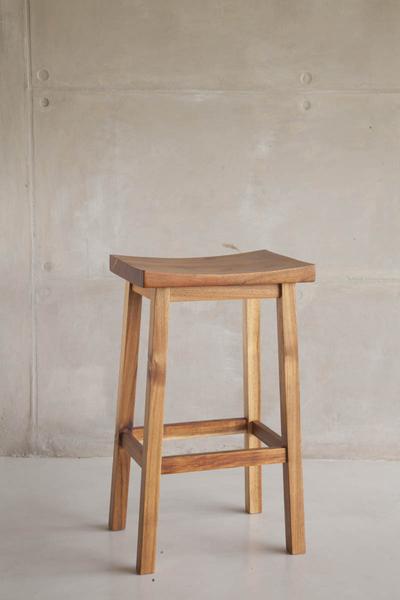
x=248 y=268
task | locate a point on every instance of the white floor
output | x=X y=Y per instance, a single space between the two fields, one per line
x=54 y=544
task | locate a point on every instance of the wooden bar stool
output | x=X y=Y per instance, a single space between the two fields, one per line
x=249 y=277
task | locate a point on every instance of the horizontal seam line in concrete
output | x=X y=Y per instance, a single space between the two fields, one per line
x=188 y=91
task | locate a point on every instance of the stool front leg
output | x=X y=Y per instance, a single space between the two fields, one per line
x=125 y=407
x=290 y=419
x=153 y=432
x=252 y=398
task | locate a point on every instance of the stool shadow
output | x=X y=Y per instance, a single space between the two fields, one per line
x=96 y=527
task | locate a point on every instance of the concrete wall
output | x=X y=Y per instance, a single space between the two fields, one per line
x=189 y=128
x=17 y=410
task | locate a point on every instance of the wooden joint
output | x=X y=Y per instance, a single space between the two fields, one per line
x=265 y=434
x=145 y=292
x=132 y=445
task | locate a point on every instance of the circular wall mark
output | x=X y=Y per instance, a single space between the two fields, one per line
x=43 y=74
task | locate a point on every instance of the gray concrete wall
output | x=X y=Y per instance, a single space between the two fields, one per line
x=184 y=128
x=17 y=411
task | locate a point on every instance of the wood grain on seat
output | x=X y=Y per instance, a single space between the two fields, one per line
x=248 y=268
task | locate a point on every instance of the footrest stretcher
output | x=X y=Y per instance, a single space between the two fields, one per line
x=132 y=441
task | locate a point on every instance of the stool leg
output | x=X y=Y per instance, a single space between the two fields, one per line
x=290 y=419
x=153 y=432
x=252 y=400
x=125 y=407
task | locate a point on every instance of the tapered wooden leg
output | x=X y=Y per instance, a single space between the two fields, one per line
x=125 y=407
x=252 y=400
x=153 y=432
x=290 y=419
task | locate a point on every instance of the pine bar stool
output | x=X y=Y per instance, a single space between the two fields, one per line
x=249 y=277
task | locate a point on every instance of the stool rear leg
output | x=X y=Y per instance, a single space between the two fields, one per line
x=290 y=419
x=125 y=407
x=153 y=432
x=252 y=399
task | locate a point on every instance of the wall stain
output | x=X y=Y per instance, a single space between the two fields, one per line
x=231 y=247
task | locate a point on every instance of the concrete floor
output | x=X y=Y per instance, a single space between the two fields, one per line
x=54 y=541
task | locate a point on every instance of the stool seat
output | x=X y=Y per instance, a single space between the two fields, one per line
x=248 y=268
